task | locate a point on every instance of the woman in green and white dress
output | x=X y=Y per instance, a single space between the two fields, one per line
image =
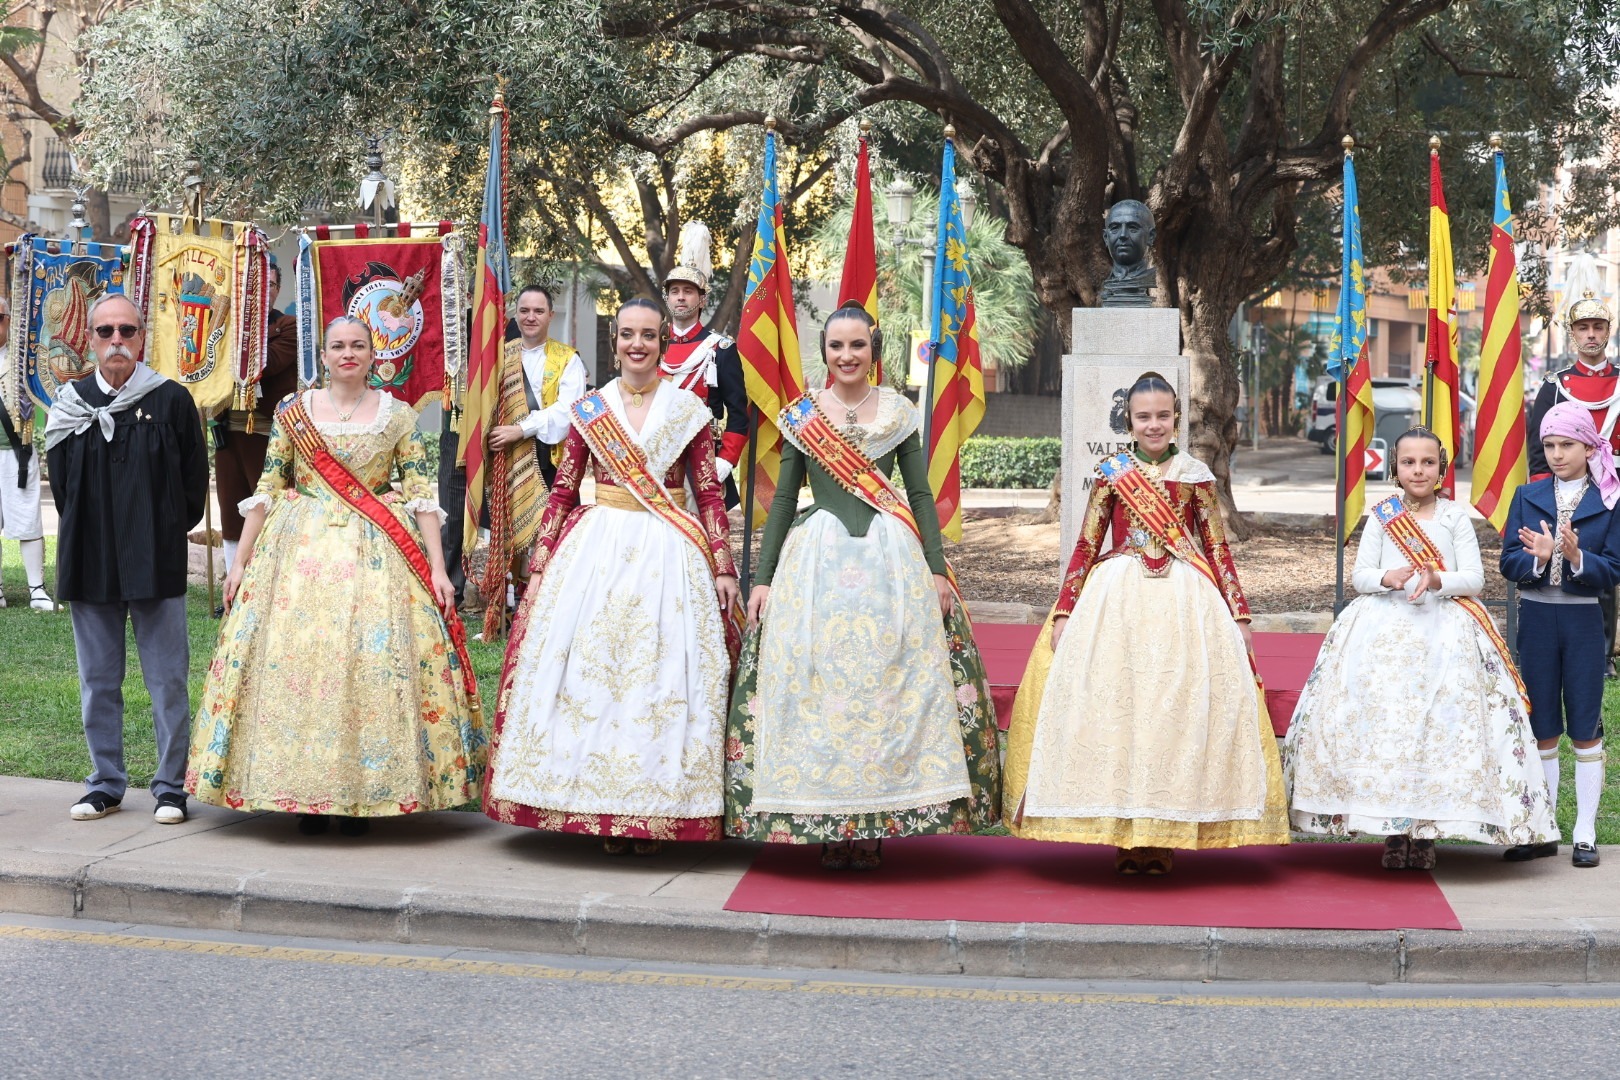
x=861 y=710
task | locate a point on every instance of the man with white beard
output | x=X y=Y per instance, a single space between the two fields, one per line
x=129 y=473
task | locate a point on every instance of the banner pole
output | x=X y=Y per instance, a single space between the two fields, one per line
x=1343 y=527
x=208 y=516
x=748 y=501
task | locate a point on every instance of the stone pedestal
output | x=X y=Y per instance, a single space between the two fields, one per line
x=1113 y=347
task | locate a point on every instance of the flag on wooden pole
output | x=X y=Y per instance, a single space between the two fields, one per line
x=1500 y=464
x=768 y=337
x=1348 y=361
x=491 y=279
x=859 y=282
x=957 y=400
x=1440 y=363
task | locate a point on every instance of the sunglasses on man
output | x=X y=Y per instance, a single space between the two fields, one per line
x=123 y=329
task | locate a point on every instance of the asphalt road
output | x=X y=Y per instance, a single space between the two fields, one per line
x=81 y=1001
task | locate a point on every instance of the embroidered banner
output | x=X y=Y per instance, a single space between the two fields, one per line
x=203 y=287
x=53 y=284
x=408 y=289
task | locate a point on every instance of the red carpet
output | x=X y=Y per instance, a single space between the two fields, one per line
x=1003 y=879
x=1285 y=663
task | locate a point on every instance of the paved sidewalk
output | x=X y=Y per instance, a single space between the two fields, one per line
x=460 y=879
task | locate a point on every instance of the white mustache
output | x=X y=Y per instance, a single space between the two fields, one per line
x=118 y=350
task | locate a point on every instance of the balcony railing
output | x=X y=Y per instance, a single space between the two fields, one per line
x=131 y=179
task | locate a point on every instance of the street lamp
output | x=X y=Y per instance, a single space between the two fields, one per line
x=968 y=200
x=901 y=194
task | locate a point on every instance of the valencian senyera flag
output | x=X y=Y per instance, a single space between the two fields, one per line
x=1349 y=365
x=1440 y=360
x=768 y=341
x=409 y=289
x=203 y=289
x=1500 y=464
x=492 y=278
x=53 y=284
x=859 y=282
x=958 y=370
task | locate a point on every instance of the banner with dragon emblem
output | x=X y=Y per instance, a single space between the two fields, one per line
x=53 y=284
x=408 y=289
x=203 y=288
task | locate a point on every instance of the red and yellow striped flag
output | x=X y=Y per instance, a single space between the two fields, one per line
x=768 y=341
x=859 y=283
x=1440 y=365
x=1500 y=465
x=492 y=276
x=958 y=369
x=1349 y=364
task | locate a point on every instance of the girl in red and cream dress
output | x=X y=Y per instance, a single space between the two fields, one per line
x=1139 y=722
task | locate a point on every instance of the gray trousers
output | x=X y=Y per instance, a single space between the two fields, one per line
x=165 y=651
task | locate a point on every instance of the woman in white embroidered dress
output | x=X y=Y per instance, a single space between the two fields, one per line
x=613 y=695
x=337 y=688
x=1412 y=724
x=1139 y=722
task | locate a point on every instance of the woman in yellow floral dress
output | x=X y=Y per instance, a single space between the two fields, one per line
x=1142 y=724
x=340 y=685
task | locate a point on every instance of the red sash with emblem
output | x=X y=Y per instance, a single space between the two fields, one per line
x=623 y=457
x=1414 y=544
x=362 y=500
x=1151 y=506
x=809 y=429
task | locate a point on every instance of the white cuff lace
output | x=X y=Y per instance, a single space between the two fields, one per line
x=251 y=502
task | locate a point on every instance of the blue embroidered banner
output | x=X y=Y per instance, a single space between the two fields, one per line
x=54 y=282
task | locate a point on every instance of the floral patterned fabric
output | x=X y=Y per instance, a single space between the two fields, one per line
x=611 y=712
x=334 y=687
x=858 y=711
x=1146 y=728
x=1411 y=721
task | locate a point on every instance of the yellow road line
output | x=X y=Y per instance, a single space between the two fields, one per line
x=445 y=966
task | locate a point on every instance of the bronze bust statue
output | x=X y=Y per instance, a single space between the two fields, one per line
x=1129 y=235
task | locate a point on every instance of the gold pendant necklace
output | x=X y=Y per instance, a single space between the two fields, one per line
x=343 y=417
x=636 y=392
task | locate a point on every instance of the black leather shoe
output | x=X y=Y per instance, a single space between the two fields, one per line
x=1526 y=852
x=313 y=824
x=1584 y=855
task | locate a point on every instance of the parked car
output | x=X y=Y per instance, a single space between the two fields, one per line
x=1397 y=406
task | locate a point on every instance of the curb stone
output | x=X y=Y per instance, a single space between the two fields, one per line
x=654 y=928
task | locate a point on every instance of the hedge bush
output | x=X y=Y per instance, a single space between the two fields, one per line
x=993 y=462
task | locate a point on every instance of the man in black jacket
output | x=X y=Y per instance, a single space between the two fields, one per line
x=129 y=474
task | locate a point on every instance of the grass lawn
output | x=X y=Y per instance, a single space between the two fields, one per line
x=40 y=733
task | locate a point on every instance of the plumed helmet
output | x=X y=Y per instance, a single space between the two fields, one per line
x=694 y=262
x=1584 y=294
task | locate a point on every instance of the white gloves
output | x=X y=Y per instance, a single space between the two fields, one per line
x=722 y=468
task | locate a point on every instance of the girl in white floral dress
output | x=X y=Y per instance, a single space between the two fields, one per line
x=1413 y=723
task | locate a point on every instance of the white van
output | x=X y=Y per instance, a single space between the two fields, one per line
x=1397 y=406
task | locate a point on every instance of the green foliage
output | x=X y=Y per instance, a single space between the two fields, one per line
x=996 y=462
x=1003 y=293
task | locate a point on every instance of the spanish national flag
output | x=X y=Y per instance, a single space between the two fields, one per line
x=768 y=339
x=859 y=283
x=1500 y=465
x=958 y=400
x=1348 y=361
x=1440 y=365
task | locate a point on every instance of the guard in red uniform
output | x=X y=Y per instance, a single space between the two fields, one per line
x=1592 y=381
x=702 y=360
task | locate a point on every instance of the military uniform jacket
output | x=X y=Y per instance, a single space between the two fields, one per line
x=125 y=506
x=705 y=362
x=1596 y=388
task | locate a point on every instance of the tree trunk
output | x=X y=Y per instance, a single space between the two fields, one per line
x=98 y=212
x=1212 y=409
